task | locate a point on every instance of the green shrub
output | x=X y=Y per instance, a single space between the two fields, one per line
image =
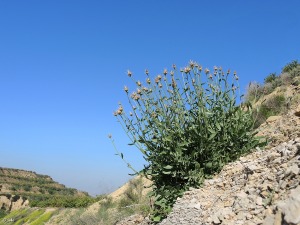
x=60 y=201
x=290 y=66
x=3 y=213
x=295 y=72
x=187 y=127
x=273 y=106
x=105 y=206
x=270 y=78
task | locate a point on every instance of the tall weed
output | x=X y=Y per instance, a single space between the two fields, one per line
x=187 y=125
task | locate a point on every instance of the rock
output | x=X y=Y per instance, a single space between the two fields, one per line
x=292 y=170
x=273 y=119
x=291 y=207
x=297 y=111
x=259 y=201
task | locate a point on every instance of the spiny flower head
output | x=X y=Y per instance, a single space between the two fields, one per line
x=145 y=89
x=157 y=79
x=192 y=64
x=139 y=83
x=119 y=111
x=135 y=96
x=146 y=72
x=165 y=72
x=206 y=71
x=129 y=73
x=126 y=89
x=187 y=69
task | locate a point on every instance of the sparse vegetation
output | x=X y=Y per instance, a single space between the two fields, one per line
x=271 y=78
x=275 y=104
x=288 y=68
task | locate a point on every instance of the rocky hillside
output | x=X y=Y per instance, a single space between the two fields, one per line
x=22 y=182
x=21 y=188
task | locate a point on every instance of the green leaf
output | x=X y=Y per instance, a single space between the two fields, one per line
x=168 y=167
x=208 y=165
x=212 y=136
x=157 y=219
x=166 y=172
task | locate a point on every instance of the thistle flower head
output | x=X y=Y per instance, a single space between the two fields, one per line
x=146 y=72
x=192 y=64
x=109 y=136
x=228 y=71
x=126 y=89
x=148 y=80
x=165 y=72
x=139 y=83
x=174 y=66
x=215 y=68
x=129 y=73
x=131 y=114
x=187 y=70
x=172 y=73
x=206 y=71
x=139 y=91
x=119 y=111
x=135 y=96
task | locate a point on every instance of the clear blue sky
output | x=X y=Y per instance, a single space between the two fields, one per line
x=63 y=67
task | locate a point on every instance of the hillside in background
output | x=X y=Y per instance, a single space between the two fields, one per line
x=28 y=183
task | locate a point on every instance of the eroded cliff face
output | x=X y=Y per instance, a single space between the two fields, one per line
x=12 y=202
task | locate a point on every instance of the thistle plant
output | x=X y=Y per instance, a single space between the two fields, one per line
x=187 y=125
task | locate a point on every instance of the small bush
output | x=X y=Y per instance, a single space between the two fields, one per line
x=270 y=78
x=290 y=66
x=295 y=72
x=274 y=106
x=3 y=213
x=187 y=127
x=286 y=78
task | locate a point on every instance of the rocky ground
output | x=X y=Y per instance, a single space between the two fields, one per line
x=260 y=188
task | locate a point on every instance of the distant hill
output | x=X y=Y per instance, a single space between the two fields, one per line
x=26 y=183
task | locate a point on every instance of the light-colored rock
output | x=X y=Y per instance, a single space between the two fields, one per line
x=297 y=111
x=291 y=207
x=273 y=119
